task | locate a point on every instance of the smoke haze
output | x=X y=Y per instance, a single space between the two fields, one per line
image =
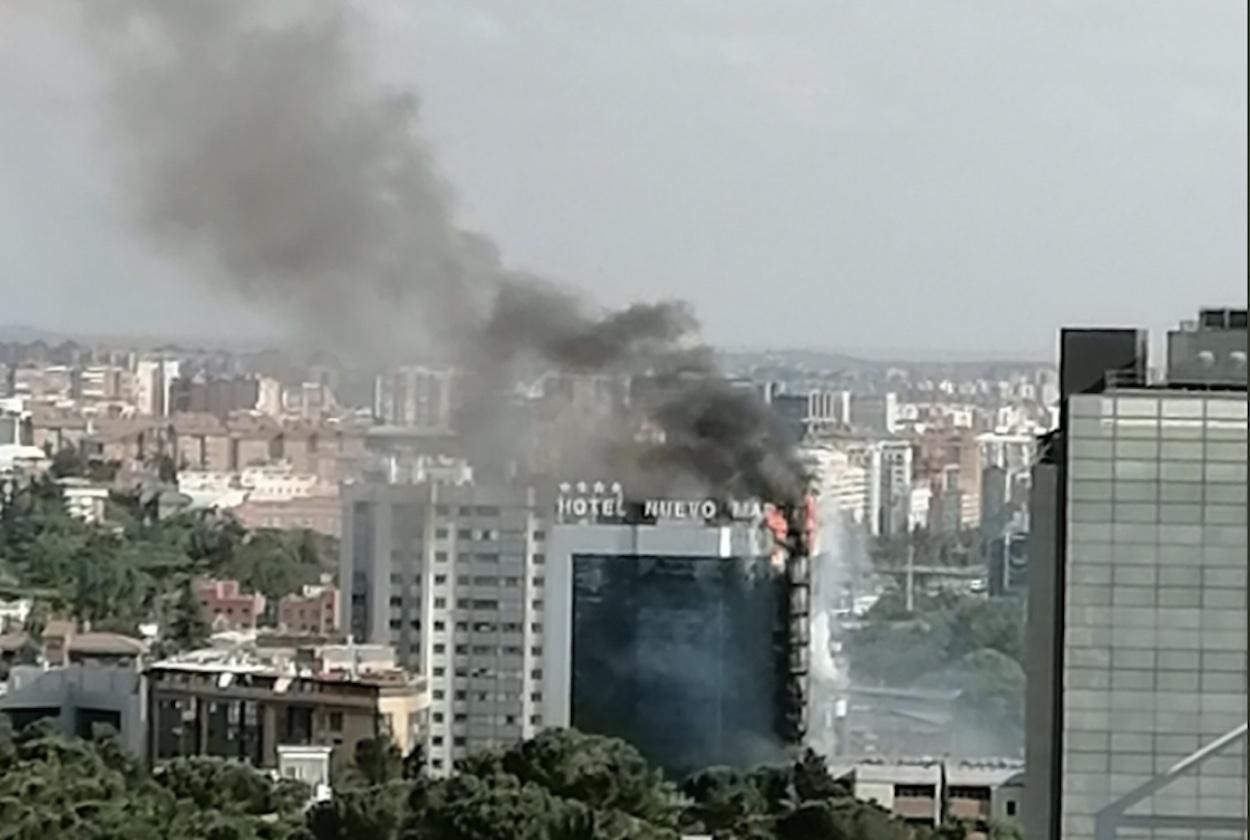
x=257 y=137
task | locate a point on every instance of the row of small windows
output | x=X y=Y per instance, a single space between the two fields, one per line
x=462 y=696
x=1167 y=513
x=462 y=671
x=398 y=558
x=1147 y=535
x=1218 y=577
x=1180 y=408
x=1181 y=471
x=486 y=650
x=1092 y=595
x=1155 y=491
x=1174 y=450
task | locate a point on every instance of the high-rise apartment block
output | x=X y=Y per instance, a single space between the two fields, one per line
x=415 y=397
x=1137 y=605
x=453 y=577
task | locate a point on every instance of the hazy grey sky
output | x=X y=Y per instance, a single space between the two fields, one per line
x=964 y=175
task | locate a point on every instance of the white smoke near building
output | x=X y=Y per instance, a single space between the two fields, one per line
x=840 y=568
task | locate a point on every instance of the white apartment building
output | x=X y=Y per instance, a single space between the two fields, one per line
x=868 y=480
x=829 y=408
x=415 y=397
x=454 y=578
x=840 y=480
x=153 y=380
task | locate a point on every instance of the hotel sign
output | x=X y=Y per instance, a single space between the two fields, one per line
x=602 y=502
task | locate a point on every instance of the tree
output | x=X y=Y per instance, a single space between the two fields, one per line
x=377 y=761
x=53 y=786
x=358 y=812
x=188 y=628
x=68 y=462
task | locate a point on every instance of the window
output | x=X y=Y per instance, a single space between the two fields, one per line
x=440 y=671
x=396 y=601
x=1011 y=807
x=440 y=533
x=458 y=741
x=461 y=695
x=440 y=557
x=539 y=559
x=440 y=602
x=537 y=720
x=540 y=535
x=459 y=717
x=440 y=579
x=464 y=534
x=438 y=717
x=440 y=648
x=336 y=721
x=537 y=673
x=439 y=694
x=437 y=740
x=436 y=763
x=440 y=626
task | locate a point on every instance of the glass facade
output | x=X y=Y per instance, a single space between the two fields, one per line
x=678 y=656
x=1154 y=665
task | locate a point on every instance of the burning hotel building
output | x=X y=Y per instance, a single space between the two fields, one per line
x=679 y=626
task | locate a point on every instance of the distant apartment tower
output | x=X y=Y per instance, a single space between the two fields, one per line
x=1136 y=700
x=153 y=380
x=453 y=577
x=414 y=397
x=829 y=409
x=874 y=412
x=219 y=396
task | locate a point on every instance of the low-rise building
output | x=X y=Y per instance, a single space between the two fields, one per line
x=981 y=792
x=912 y=790
x=243 y=705
x=227 y=606
x=314 y=611
x=931 y=792
x=83 y=681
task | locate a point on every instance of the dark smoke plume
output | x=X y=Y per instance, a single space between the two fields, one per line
x=252 y=134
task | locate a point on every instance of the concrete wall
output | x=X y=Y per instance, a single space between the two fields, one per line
x=80 y=687
x=1043 y=625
